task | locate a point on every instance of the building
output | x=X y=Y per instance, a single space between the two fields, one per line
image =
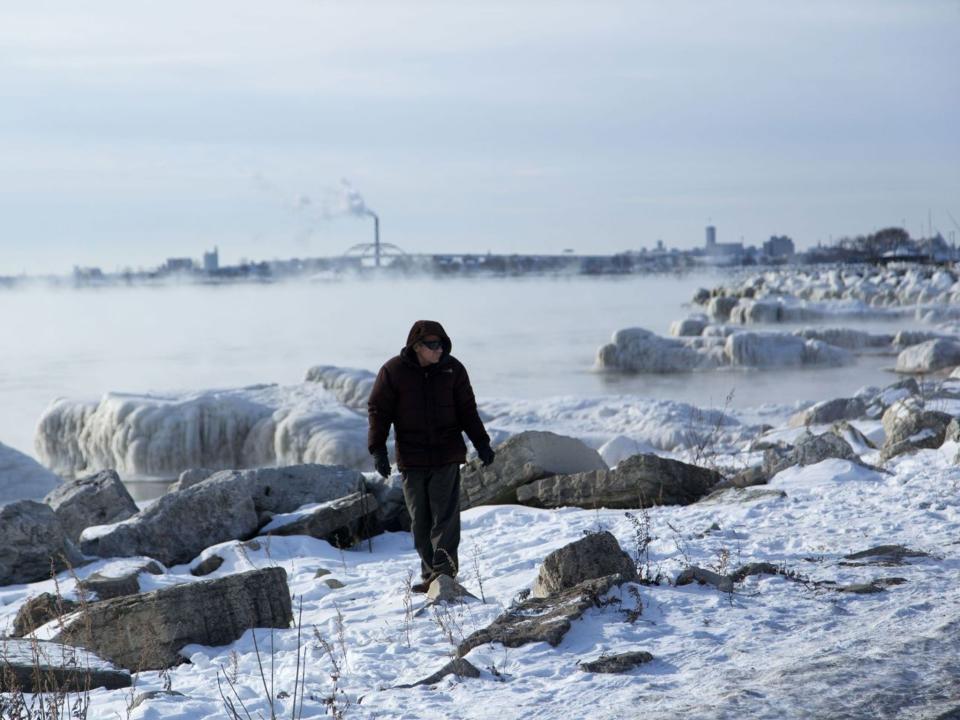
x=778 y=247
x=174 y=265
x=211 y=261
x=722 y=253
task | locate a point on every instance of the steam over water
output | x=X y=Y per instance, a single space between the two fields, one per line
x=528 y=337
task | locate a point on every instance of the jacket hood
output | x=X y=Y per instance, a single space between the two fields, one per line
x=422 y=328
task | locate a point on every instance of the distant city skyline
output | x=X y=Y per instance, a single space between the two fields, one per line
x=133 y=133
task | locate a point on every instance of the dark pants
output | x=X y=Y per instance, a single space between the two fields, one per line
x=433 y=500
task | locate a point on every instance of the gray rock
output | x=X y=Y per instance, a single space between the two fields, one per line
x=641 y=480
x=392 y=514
x=593 y=556
x=209 y=564
x=146 y=631
x=333 y=584
x=32 y=543
x=743 y=495
x=447 y=590
x=719 y=308
x=885 y=555
x=35 y=666
x=178 y=526
x=757 y=568
x=459 y=667
x=541 y=619
x=99 y=499
x=143 y=697
x=189 y=478
x=523 y=458
x=104 y=587
x=908 y=338
x=853 y=437
x=39 y=610
x=723 y=583
x=339 y=521
x=624 y=662
x=701 y=296
x=929 y=356
x=908 y=426
x=809 y=450
x=830 y=411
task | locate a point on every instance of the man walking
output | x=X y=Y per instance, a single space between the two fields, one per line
x=425 y=393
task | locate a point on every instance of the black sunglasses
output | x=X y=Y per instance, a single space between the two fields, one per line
x=432 y=344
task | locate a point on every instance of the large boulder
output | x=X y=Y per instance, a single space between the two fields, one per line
x=339 y=521
x=37 y=666
x=32 y=543
x=100 y=499
x=228 y=505
x=689 y=327
x=929 y=356
x=756 y=311
x=523 y=458
x=146 y=631
x=639 y=481
x=22 y=477
x=808 y=450
x=594 y=556
x=720 y=307
x=39 y=610
x=908 y=426
x=176 y=527
x=830 y=411
x=117 y=579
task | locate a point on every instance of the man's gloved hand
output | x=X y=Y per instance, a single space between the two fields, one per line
x=486 y=454
x=381 y=461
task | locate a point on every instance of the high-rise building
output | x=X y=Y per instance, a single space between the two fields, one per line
x=211 y=261
x=711 y=236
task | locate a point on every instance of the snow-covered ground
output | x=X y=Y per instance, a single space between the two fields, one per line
x=774 y=648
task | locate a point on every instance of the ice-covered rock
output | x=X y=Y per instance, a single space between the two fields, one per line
x=161 y=436
x=351 y=386
x=691 y=326
x=767 y=350
x=849 y=339
x=639 y=350
x=719 y=308
x=22 y=477
x=929 y=356
x=830 y=411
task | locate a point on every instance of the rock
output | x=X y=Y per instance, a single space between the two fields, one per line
x=885 y=555
x=321 y=572
x=757 y=568
x=743 y=495
x=99 y=499
x=639 y=350
x=929 y=356
x=723 y=583
x=35 y=666
x=333 y=584
x=908 y=338
x=189 y=478
x=766 y=350
x=460 y=667
x=339 y=521
x=747 y=477
x=909 y=427
x=855 y=340
x=392 y=514
x=445 y=589
x=719 y=308
x=809 y=450
x=853 y=437
x=701 y=296
x=32 y=543
x=952 y=433
x=624 y=662
x=523 y=458
x=756 y=311
x=639 y=481
x=178 y=526
x=206 y=566
x=691 y=326
x=103 y=586
x=830 y=411
x=40 y=610
x=883 y=399
x=541 y=619
x=593 y=556
x=146 y=631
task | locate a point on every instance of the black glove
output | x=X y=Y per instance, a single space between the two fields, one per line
x=381 y=461
x=486 y=454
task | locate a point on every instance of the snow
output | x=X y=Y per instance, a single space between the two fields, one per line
x=772 y=644
x=22 y=477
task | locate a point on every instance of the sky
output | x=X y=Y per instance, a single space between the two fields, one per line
x=136 y=131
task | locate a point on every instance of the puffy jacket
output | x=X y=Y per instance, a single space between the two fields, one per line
x=429 y=407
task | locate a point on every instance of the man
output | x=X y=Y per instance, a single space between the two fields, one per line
x=425 y=393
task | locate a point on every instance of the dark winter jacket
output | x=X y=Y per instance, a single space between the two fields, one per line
x=429 y=407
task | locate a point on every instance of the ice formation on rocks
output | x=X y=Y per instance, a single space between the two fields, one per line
x=351 y=386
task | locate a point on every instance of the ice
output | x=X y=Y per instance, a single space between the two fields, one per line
x=22 y=477
x=351 y=386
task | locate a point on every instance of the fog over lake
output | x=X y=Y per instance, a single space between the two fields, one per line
x=519 y=337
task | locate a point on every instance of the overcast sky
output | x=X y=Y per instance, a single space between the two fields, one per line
x=135 y=131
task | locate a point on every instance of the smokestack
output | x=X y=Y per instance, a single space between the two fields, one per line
x=376 y=237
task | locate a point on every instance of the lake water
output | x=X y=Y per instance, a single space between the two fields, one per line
x=519 y=337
